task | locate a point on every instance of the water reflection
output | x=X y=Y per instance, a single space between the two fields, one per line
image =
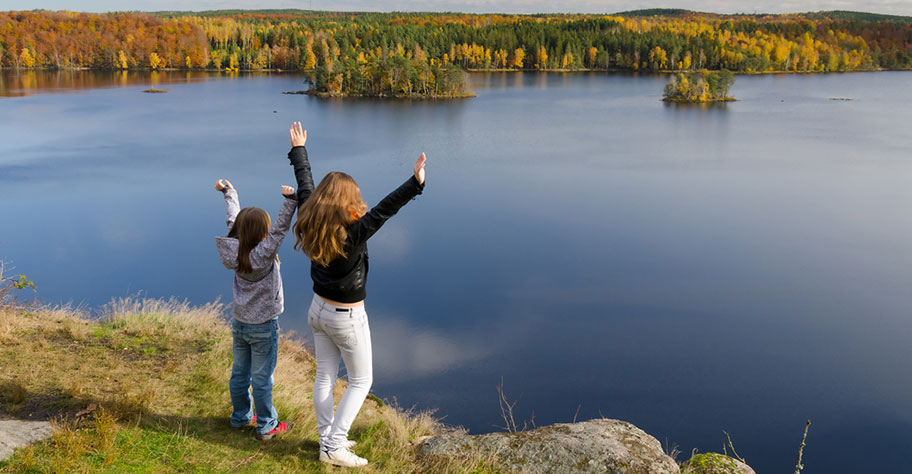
x=26 y=82
x=683 y=106
x=404 y=352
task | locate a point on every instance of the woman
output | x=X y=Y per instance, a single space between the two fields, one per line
x=332 y=229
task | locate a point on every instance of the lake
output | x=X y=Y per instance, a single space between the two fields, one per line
x=690 y=269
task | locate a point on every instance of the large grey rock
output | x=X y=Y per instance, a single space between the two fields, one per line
x=714 y=463
x=17 y=433
x=601 y=445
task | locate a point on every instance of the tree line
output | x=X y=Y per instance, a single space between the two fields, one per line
x=424 y=53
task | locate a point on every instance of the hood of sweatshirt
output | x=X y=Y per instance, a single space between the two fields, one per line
x=228 y=251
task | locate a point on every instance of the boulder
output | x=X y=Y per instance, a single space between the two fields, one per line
x=600 y=445
x=714 y=463
x=18 y=433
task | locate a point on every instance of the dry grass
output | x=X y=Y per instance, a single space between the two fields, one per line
x=157 y=371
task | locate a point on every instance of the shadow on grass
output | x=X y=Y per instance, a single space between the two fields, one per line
x=217 y=430
x=17 y=402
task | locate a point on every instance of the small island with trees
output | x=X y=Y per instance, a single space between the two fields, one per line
x=395 y=76
x=700 y=87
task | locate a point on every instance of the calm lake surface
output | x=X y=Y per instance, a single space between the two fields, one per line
x=741 y=267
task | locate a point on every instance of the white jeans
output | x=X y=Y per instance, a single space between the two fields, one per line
x=339 y=333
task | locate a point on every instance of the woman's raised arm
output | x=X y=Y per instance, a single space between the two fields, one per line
x=370 y=223
x=298 y=158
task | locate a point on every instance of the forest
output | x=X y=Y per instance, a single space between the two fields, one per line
x=403 y=54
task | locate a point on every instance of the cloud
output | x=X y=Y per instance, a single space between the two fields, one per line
x=402 y=351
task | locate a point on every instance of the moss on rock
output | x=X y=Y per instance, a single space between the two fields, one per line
x=714 y=463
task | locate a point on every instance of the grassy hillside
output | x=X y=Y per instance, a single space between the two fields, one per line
x=144 y=389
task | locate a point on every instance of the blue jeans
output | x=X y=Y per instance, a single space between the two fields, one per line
x=256 y=347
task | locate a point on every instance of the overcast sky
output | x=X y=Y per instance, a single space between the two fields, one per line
x=895 y=7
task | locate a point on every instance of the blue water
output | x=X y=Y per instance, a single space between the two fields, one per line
x=741 y=267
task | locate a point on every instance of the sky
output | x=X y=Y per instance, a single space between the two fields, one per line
x=894 y=7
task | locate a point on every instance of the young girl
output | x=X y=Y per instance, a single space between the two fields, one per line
x=332 y=229
x=250 y=250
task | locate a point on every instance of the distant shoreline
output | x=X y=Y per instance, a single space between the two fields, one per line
x=470 y=70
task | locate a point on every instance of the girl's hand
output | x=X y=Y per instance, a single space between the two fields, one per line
x=288 y=191
x=223 y=184
x=298 y=136
x=419 y=168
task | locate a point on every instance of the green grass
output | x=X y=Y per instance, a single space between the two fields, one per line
x=156 y=373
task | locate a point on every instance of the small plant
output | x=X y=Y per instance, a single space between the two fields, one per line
x=506 y=412
x=9 y=284
x=800 y=465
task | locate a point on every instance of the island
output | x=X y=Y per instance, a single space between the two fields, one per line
x=392 y=77
x=699 y=87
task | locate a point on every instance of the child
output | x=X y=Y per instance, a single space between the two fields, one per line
x=250 y=249
x=332 y=229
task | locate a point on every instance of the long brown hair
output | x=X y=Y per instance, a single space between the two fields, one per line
x=250 y=227
x=320 y=228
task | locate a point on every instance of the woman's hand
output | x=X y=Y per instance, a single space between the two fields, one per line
x=298 y=136
x=222 y=184
x=419 y=168
x=288 y=191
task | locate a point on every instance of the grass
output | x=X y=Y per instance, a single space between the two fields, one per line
x=144 y=388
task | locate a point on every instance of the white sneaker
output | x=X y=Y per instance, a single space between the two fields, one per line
x=342 y=457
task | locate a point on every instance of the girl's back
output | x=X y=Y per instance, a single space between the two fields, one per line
x=257 y=289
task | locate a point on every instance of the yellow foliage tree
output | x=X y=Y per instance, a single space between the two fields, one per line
x=26 y=58
x=592 y=56
x=541 y=58
x=233 y=63
x=217 y=57
x=155 y=61
x=519 y=55
x=189 y=63
x=122 y=60
x=310 y=59
x=658 y=57
x=419 y=54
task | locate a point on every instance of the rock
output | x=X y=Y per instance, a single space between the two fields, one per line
x=714 y=463
x=17 y=433
x=600 y=445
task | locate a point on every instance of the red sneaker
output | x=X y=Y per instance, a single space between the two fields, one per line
x=280 y=428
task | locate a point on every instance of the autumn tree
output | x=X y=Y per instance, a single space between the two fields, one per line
x=155 y=61
x=518 y=57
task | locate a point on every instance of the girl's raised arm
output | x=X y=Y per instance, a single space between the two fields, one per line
x=231 y=200
x=270 y=245
x=298 y=158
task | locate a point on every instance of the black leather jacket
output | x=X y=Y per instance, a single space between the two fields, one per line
x=344 y=278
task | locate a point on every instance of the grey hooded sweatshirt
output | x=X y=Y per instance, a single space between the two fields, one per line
x=258 y=295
